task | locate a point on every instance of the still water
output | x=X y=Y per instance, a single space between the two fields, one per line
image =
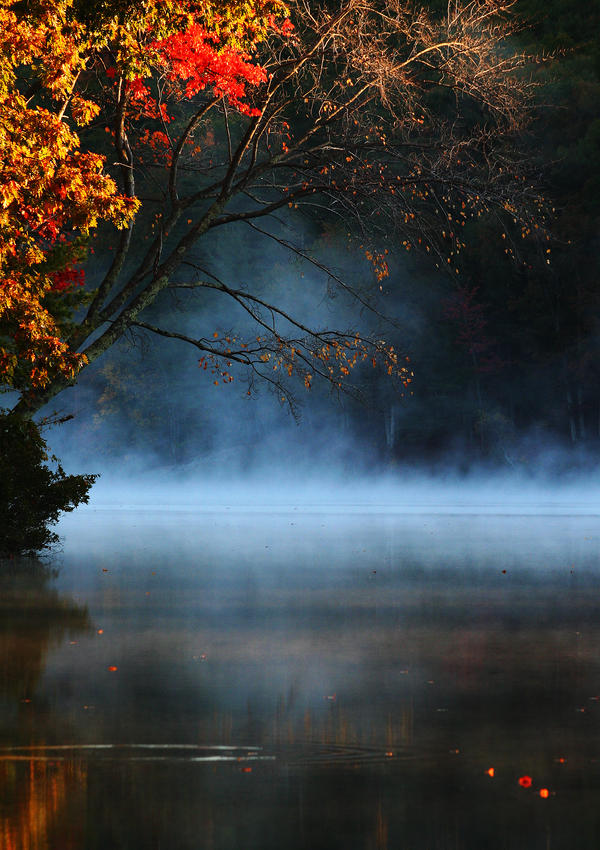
x=247 y=680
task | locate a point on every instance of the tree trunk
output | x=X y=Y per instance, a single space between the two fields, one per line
x=29 y=405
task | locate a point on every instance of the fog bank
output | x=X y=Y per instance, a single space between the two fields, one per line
x=395 y=492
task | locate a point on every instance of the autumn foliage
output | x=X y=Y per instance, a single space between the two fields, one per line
x=49 y=191
x=167 y=119
x=55 y=70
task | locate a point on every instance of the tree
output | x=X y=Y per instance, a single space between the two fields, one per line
x=49 y=189
x=52 y=193
x=32 y=494
x=397 y=122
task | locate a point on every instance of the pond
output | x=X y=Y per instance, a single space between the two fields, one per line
x=252 y=680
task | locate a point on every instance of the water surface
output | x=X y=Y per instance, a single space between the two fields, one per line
x=304 y=678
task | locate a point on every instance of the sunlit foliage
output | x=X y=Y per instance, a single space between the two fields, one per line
x=399 y=123
x=52 y=193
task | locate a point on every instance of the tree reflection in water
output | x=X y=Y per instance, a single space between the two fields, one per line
x=36 y=792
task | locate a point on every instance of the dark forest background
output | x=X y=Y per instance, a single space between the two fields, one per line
x=506 y=354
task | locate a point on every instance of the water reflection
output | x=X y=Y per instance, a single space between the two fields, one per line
x=36 y=796
x=42 y=803
x=308 y=681
x=34 y=616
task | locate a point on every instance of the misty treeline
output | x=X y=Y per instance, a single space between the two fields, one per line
x=504 y=353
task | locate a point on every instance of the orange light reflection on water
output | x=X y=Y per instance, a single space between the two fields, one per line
x=35 y=794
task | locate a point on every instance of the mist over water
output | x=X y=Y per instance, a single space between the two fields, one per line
x=258 y=457
x=393 y=493
x=250 y=452
x=298 y=466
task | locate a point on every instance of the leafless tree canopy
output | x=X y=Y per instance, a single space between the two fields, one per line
x=400 y=123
